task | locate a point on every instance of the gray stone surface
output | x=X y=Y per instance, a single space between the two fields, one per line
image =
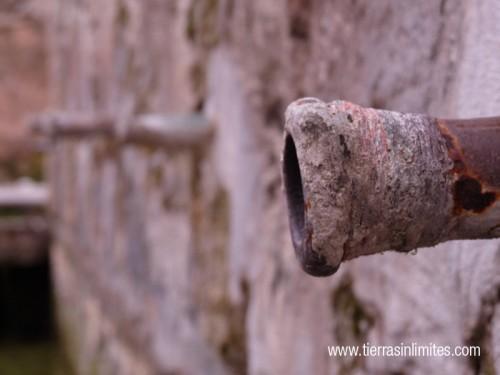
x=182 y=262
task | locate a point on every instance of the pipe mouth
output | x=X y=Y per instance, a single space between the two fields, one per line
x=312 y=262
x=294 y=192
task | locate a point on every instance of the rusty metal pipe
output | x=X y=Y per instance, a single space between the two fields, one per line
x=361 y=181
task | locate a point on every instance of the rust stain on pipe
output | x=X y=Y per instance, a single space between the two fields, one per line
x=360 y=181
x=474 y=146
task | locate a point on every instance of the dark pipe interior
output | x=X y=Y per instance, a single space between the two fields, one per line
x=293 y=190
x=312 y=262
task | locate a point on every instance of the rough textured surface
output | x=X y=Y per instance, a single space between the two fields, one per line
x=372 y=180
x=359 y=181
x=197 y=271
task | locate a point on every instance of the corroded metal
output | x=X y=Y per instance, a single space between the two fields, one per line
x=474 y=147
x=360 y=181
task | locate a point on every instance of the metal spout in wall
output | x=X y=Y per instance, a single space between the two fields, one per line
x=361 y=181
x=167 y=130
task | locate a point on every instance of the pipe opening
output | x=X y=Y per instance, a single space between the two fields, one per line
x=313 y=263
x=292 y=180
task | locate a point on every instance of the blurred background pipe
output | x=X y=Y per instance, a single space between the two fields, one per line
x=172 y=130
x=360 y=181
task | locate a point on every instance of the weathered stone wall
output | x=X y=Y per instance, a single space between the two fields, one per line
x=23 y=73
x=180 y=261
x=23 y=84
